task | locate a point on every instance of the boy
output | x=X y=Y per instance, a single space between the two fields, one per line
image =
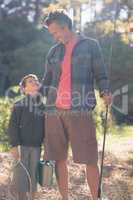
x=26 y=130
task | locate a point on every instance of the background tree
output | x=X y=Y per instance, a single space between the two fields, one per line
x=23 y=44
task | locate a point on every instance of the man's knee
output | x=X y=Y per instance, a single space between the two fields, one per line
x=61 y=162
x=91 y=167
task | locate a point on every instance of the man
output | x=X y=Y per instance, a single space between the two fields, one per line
x=72 y=65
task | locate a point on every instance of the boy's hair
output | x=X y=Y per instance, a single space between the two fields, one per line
x=22 y=83
x=60 y=17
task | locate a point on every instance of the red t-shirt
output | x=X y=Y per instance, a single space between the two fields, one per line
x=64 y=89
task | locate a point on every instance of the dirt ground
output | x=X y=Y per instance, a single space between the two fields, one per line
x=117 y=179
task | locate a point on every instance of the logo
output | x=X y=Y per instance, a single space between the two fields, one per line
x=120 y=100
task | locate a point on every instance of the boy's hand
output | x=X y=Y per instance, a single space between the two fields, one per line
x=15 y=153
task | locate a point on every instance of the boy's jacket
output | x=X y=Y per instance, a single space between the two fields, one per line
x=26 y=125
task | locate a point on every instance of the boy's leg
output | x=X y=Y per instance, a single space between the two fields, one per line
x=34 y=159
x=31 y=195
x=92 y=174
x=20 y=180
x=25 y=196
x=62 y=178
x=22 y=196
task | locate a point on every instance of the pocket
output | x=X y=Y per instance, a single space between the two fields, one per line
x=89 y=129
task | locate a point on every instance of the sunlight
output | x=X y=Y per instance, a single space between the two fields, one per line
x=98 y=6
x=86 y=15
x=89 y=11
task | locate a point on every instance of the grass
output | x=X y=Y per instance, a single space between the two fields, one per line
x=118 y=133
x=117 y=181
x=126 y=130
x=4 y=147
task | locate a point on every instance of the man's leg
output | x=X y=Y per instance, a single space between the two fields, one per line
x=62 y=178
x=92 y=174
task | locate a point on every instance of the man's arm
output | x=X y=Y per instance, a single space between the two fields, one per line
x=46 y=80
x=101 y=74
x=107 y=98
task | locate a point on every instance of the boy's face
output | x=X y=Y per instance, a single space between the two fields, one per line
x=31 y=86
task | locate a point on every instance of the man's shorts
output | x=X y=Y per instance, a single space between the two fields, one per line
x=78 y=128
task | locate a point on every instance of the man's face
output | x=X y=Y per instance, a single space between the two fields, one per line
x=60 y=34
x=31 y=86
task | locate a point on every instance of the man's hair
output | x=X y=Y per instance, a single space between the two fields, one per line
x=60 y=17
x=22 y=83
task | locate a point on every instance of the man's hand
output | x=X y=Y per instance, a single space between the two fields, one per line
x=15 y=153
x=107 y=98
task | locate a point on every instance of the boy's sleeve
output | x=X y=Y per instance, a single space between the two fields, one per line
x=13 y=128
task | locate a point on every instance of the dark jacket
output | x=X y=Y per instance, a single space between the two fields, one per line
x=86 y=66
x=26 y=125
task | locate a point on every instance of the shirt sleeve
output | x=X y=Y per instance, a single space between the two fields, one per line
x=46 y=80
x=13 y=128
x=100 y=70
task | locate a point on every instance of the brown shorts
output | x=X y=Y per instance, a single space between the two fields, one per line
x=77 y=128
